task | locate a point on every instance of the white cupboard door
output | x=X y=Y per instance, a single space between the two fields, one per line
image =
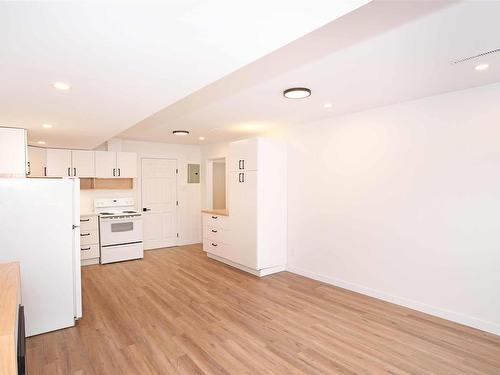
x=82 y=163
x=243 y=211
x=159 y=202
x=13 y=149
x=37 y=159
x=105 y=164
x=59 y=163
x=243 y=155
x=126 y=164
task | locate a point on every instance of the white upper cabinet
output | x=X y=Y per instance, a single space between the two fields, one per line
x=37 y=161
x=105 y=164
x=243 y=155
x=126 y=164
x=13 y=152
x=110 y=164
x=59 y=163
x=82 y=163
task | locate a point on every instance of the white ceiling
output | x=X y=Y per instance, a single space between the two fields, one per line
x=126 y=61
x=382 y=53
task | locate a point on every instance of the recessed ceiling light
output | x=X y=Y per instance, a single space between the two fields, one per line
x=61 y=86
x=482 y=67
x=201 y=138
x=180 y=132
x=41 y=142
x=327 y=105
x=47 y=126
x=297 y=93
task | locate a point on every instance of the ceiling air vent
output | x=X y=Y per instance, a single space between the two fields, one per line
x=493 y=51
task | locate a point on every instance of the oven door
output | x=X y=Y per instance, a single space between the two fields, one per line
x=117 y=231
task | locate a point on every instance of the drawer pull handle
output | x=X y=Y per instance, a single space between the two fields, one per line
x=214 y=231
x=214 y=244
x=84 y=234
x=82 y=220
x=88 y=248
x=214 y=217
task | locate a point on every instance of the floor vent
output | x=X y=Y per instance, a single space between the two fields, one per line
x=475 y=56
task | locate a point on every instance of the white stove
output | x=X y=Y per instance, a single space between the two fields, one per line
x=120 y=228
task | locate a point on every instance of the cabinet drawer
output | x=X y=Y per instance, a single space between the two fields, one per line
x=89 y=251
x=216 y=221
x=89 y=237
x=88 y=223
x=216 y=234
x=217 y=248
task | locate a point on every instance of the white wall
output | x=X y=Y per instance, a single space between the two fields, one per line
x=403 y=203
x=188 y=195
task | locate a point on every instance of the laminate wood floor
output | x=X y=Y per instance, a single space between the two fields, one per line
x=178 y=312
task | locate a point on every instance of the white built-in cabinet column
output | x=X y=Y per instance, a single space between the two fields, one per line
x=255 y=235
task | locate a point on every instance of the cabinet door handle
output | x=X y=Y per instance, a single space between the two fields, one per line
x=214 y=244
x=114 y=171
x=29 y=169
x=84 y=234
x=214 y=217
x=69 y=171
x=119 y=172
x=84 y=220
x=214 y=231
x=45 y=171
x=241 y=177
x=239 y=164
x=243 y=164
x=74 y=172
x=87 y=248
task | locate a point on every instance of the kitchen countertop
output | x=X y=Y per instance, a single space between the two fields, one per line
x=9 y=302
x=217 y=211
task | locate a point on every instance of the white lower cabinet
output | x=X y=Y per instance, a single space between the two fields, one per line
x=89 y=240
x=253 y=236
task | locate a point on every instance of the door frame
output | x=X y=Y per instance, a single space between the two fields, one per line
x=139 y=191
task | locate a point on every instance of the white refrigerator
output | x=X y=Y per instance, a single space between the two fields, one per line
x=40 y=228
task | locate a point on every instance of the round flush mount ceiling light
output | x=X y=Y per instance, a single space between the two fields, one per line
x=201 y=138
x=61 y=86
x=41 y=142
x=297 y=93
x=481 y=67
x=47 y=126
x=327 y=105
x=180 y=132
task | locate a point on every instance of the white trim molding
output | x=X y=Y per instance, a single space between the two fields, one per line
x=415 y=305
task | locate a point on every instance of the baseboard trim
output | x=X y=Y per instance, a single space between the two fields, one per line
x=415 y=305
x=259 y=273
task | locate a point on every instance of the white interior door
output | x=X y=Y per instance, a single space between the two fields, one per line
x=159 y=202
